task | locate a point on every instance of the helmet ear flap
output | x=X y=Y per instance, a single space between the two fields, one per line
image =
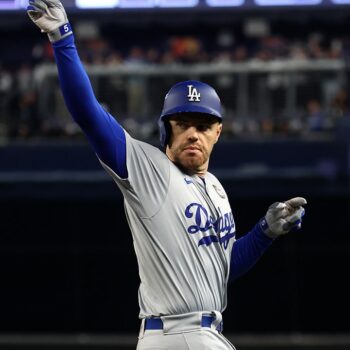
x=165 y=131
x=168 y=131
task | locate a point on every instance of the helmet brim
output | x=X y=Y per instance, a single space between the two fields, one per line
x=191 y=109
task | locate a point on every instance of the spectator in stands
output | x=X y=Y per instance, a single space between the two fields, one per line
x=136 y=88
x=316 y=118
x=340 y=103
x=18 y=105
x=24 y=121
x=6 y=91
x=340 y=111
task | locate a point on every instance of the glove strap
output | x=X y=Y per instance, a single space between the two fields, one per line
x=266 y=229
x=61 y=32
x=264 y=225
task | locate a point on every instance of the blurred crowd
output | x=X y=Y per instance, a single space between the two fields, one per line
x=21 y=116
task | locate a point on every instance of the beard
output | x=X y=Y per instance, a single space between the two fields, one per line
x=190 y=160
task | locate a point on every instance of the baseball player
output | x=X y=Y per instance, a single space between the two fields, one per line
x=178 y=212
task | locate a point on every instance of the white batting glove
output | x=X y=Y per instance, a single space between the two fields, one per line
x=283 y=217
x=50 y=16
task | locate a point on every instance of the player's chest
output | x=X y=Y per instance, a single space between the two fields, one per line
x=204 y=209
x=192 y=189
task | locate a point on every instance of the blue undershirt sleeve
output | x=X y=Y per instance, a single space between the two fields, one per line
x=104 y=133
x=247 y=250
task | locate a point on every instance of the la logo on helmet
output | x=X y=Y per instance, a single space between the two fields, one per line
x=193 y=94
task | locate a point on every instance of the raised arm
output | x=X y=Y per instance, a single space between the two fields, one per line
x=104 y=133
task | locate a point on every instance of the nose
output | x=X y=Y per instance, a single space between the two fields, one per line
x=192 y=134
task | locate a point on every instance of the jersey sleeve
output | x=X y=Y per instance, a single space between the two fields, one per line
x=140 y=170
x=247 y=250
x=148 y=179
x=104 y=133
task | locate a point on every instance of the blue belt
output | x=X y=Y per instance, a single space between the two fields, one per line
x=157 y=323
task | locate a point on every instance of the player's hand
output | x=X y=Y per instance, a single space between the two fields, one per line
x=50 y=16
x=283 y=217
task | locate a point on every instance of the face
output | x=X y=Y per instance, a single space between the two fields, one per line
x=192 y=140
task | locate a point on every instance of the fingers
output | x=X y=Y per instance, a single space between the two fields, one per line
x=53 y=3
x=277 y=209
x=296 y=202
x=283 y=217
x=39 y=4
x=296 y=216
x=277 y=206
x=36 y=9
x=294 y=221
x=44 y=4
x=293 y=204
x=33 y=13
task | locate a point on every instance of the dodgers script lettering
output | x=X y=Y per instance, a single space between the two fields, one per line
x=223 y=225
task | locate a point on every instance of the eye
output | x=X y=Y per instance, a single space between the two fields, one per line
x=203 y=127
x=182 y=125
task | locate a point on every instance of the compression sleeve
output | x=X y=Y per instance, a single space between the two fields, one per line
x=102 y=130
x=247 y=250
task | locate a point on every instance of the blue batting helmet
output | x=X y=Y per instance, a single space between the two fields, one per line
x=190 y=96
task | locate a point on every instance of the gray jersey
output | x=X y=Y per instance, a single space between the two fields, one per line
x=183 y=230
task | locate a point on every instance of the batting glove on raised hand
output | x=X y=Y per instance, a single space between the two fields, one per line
x=283 y=217
x=50 y=16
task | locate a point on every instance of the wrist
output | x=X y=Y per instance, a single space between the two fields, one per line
x=264 y=226
x=61 y=32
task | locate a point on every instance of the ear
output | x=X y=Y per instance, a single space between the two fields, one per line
x=218 y=132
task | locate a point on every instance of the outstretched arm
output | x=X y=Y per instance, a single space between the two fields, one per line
x=103 y=131
x=281 y=218
x=247 y=250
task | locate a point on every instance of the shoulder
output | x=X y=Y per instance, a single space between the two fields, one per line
x=149 y=150
x=217 y=185
x=213 y=178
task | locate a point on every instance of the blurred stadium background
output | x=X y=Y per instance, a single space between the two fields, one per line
x=68 y=274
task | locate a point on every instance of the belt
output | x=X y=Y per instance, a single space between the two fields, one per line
x=157 y=323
